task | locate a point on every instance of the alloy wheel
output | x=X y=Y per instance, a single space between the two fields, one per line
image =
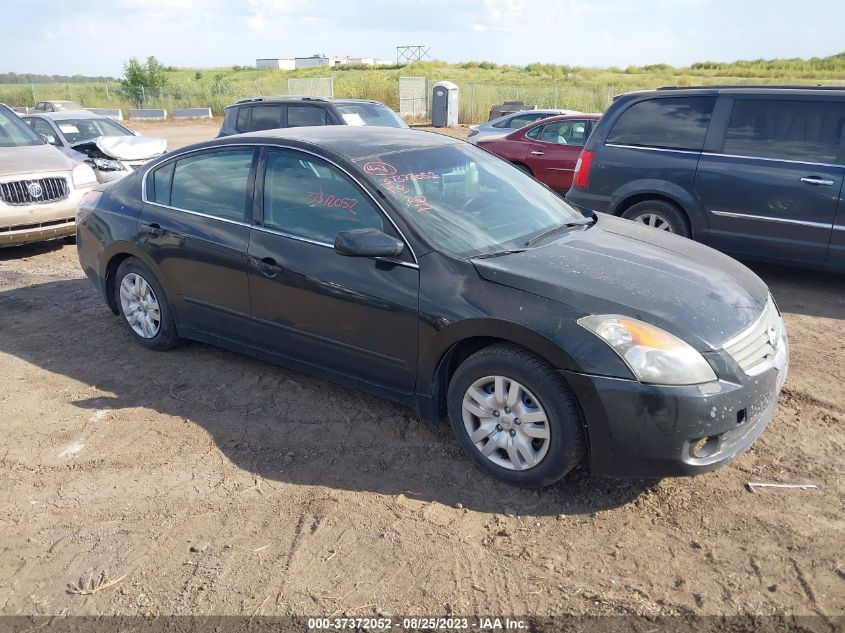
x=140 y=306
x=506 y=423
x=656 y=221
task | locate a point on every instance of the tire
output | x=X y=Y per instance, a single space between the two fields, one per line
x=162 y=334
x=525 y=169
x=544 y=394
x=661 y=215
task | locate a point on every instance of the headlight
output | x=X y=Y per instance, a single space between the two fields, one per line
x=107 y=164
x=655 y=356
x=83 y=176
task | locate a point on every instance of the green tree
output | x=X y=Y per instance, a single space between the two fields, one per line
x=139 y=78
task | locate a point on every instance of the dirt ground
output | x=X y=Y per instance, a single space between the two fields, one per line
x=204 y=482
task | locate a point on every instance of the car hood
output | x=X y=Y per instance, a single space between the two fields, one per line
x=33 y=158
x=128 y=147
x=619 y=267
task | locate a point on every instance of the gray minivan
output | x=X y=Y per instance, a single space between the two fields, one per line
x=755 y=171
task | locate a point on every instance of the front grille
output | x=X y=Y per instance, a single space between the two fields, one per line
x=759 y=341
x=20 y=192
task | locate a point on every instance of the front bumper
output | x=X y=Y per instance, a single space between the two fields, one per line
x=39 y=222
x=638 y=430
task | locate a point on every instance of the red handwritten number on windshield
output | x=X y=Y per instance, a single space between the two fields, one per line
x=418 y=203
x=379 y=169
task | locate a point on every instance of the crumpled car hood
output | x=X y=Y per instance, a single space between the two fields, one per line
x=129 y=147
x=620 y=267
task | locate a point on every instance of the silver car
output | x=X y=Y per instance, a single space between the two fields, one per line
x=504 y=125
x=111 y=149
x=40 y=187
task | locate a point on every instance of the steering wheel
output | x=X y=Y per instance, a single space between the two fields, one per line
x=467 y=206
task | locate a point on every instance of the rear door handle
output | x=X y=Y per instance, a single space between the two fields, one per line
x=267 y=266
x=152 y=228
x=816 y=181
x=536 y=153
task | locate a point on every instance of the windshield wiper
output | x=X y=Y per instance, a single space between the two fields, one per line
x=510 y=251
x=557 y=229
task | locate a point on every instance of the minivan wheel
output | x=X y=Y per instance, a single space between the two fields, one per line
x=142 y=304
x=515 y=416
x=659 y=214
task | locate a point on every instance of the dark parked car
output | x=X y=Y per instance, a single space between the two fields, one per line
x=548 y=150
x=428 y=271
x=270 y=113
x=756 y=172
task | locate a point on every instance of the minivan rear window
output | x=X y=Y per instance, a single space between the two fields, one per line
x=794 y=130
x=668 y=122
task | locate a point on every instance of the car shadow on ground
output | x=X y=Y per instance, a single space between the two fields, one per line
x=279 y=424
x=9 y=253
x=801 y=291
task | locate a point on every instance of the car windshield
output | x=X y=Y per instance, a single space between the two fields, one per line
x=14 y=132
x=468 y=202
x=369 y=114
x=84 y=130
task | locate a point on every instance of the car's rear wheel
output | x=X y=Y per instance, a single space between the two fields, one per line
x=660 y=215
x=515 y=416
x=143 y=306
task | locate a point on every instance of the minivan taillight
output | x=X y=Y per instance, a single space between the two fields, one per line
x=582 y=168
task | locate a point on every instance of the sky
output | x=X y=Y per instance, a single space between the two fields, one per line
x=96 y=38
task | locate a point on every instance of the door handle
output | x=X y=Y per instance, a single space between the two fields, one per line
x=267 y=266
x=536 y=153
x=816 y=181
x=153 y=228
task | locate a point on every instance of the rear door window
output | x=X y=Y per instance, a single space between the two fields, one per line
x=266 y=117
x=212 y=183
x=794 y=130
x=300 y=116
x=669 y=122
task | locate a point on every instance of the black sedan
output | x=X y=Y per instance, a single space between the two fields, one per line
x=425 y=270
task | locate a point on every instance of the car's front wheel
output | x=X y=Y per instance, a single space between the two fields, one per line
x=143 y=306
x=515 y=416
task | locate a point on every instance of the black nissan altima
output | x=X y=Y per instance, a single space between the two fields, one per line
x=425 y=270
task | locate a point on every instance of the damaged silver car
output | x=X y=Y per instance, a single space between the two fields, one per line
x=111 y=149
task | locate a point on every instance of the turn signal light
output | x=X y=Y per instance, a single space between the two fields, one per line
x=582 y=168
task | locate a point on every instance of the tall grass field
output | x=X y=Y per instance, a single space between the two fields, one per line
x=482 y=84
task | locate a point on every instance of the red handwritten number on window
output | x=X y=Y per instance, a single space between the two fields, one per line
x=319 y=199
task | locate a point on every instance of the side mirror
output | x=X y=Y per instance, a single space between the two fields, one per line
x=49 y=139
x=367 y=243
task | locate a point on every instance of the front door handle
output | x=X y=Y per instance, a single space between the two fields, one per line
x=153 y=228
x=267 y=266
x=536 y=153
x=816 y=181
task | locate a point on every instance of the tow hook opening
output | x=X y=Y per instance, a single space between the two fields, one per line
x=704 y=447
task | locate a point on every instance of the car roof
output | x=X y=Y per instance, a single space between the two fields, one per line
x=350 y=141
x=567 y=117
x=293 y=99
x=750 y=89
x=68 y=114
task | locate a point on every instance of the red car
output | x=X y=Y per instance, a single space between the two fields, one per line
x=547 y=149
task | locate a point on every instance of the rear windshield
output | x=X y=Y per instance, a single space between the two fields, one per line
x=14 y=132
x=369 y=114
x=673 y=122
